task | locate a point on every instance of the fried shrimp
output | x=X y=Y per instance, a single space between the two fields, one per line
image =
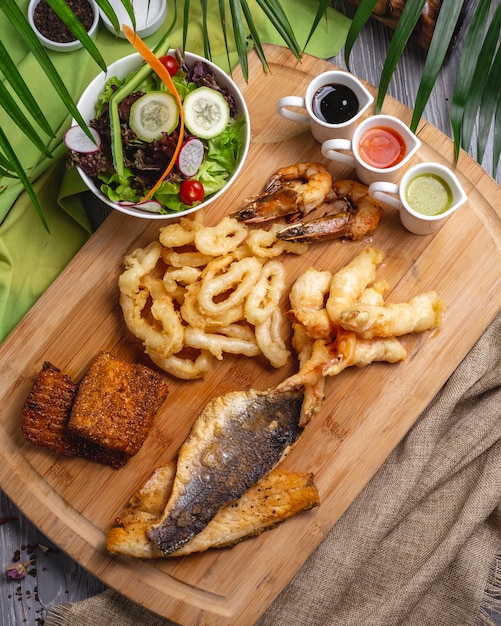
x=349 y=282
x=294 y=190
x=349 y=211
x=307 y=297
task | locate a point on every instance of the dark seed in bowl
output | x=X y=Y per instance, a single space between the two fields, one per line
x=51 y=26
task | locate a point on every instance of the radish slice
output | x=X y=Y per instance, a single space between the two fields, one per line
x=153 y=206
x=77 y=141
x=190 y=157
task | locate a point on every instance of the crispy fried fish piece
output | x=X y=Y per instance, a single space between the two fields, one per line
x=238 y=438
x=45 y=417
x=116 y=403
x=47 y=409
x=273 y=499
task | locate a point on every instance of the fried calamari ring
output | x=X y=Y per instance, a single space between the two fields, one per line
x=232 y=339
x=270 y=341
x=235 y=284
x=265 y=295
x=194 y=316
x=184 y=368
x=265 y=244
x=162 y=329
x=221 y=239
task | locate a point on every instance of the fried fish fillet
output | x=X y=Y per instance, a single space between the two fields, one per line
x=47 y=409
x=115 y=406
x=116 y=403
x=273 y=499
x=237 y=439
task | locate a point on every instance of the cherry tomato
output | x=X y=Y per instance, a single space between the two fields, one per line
x=170 y=63
x=191 y=191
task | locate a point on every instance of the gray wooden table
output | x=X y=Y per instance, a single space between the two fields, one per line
x=52 y=576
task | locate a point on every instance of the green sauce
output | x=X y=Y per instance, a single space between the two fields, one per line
x=428 y=194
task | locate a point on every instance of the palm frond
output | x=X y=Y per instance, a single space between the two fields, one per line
x=359 y=20
x=491 y=100
x=239 y=34
x=450 y=11
x=15 y=166
x=466 y=70
x=8 y=103
x=479 y=79
x=108 y=10
x=19 y=86
x=406 y=24
x=62 y=10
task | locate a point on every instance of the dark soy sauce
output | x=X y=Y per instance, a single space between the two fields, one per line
x=335 y=104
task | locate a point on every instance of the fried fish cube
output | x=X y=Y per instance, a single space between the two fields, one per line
x=116 y=403
x=47 y=409
x=45 y=417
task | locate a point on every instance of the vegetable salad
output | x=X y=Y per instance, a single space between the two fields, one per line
x=149 y=133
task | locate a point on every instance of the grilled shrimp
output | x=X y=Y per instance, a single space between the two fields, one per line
x=349 y=212
x=292 y=191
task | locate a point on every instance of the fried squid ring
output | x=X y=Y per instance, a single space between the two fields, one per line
x=194 y=316
x=221 y=239
x=233 y=339
x=266 y=293
x=184 y=368
x=237 y=281
x=265 y=244
x=270 y=341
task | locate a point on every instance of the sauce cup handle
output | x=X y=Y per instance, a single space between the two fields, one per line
x=292 y=101
x=330 y=151
x=381 y=191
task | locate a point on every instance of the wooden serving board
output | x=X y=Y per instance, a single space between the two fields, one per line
x=366 y=412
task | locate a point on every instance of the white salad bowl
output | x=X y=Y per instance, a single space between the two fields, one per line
x=87 y=107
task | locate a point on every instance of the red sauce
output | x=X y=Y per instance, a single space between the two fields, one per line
x=382 y=147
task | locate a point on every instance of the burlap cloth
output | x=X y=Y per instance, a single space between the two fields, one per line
x=418 y=545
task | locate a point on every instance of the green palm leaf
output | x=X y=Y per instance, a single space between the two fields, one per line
x=254 y=33
x=222 y=14
x=359 y=20
x=17 y=18
x=467 y=64
x=277 y=17
x=68 y=17
x=19 y=86
x=491 y=101
x=442 y=35
x=111 y=15
x=406 y=24
x=479 y=79
x=15 y=166
x=239 y=34
x=496 y=152
x=8 y=103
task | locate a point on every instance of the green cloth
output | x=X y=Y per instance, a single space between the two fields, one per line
x=30 y=258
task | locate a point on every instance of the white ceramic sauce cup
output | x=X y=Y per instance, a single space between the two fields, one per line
x=337 y=149
x=427 y=198
x=321 y=129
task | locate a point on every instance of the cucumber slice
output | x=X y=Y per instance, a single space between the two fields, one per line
x=153 y=114
x=206 y=112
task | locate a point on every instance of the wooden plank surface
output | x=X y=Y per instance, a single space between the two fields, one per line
x=364 y=416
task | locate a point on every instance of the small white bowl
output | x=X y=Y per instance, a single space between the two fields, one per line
x=87 y=107
x=149 y=14
x=54 y=45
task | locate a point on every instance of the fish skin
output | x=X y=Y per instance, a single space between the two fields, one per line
x=236 y=439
